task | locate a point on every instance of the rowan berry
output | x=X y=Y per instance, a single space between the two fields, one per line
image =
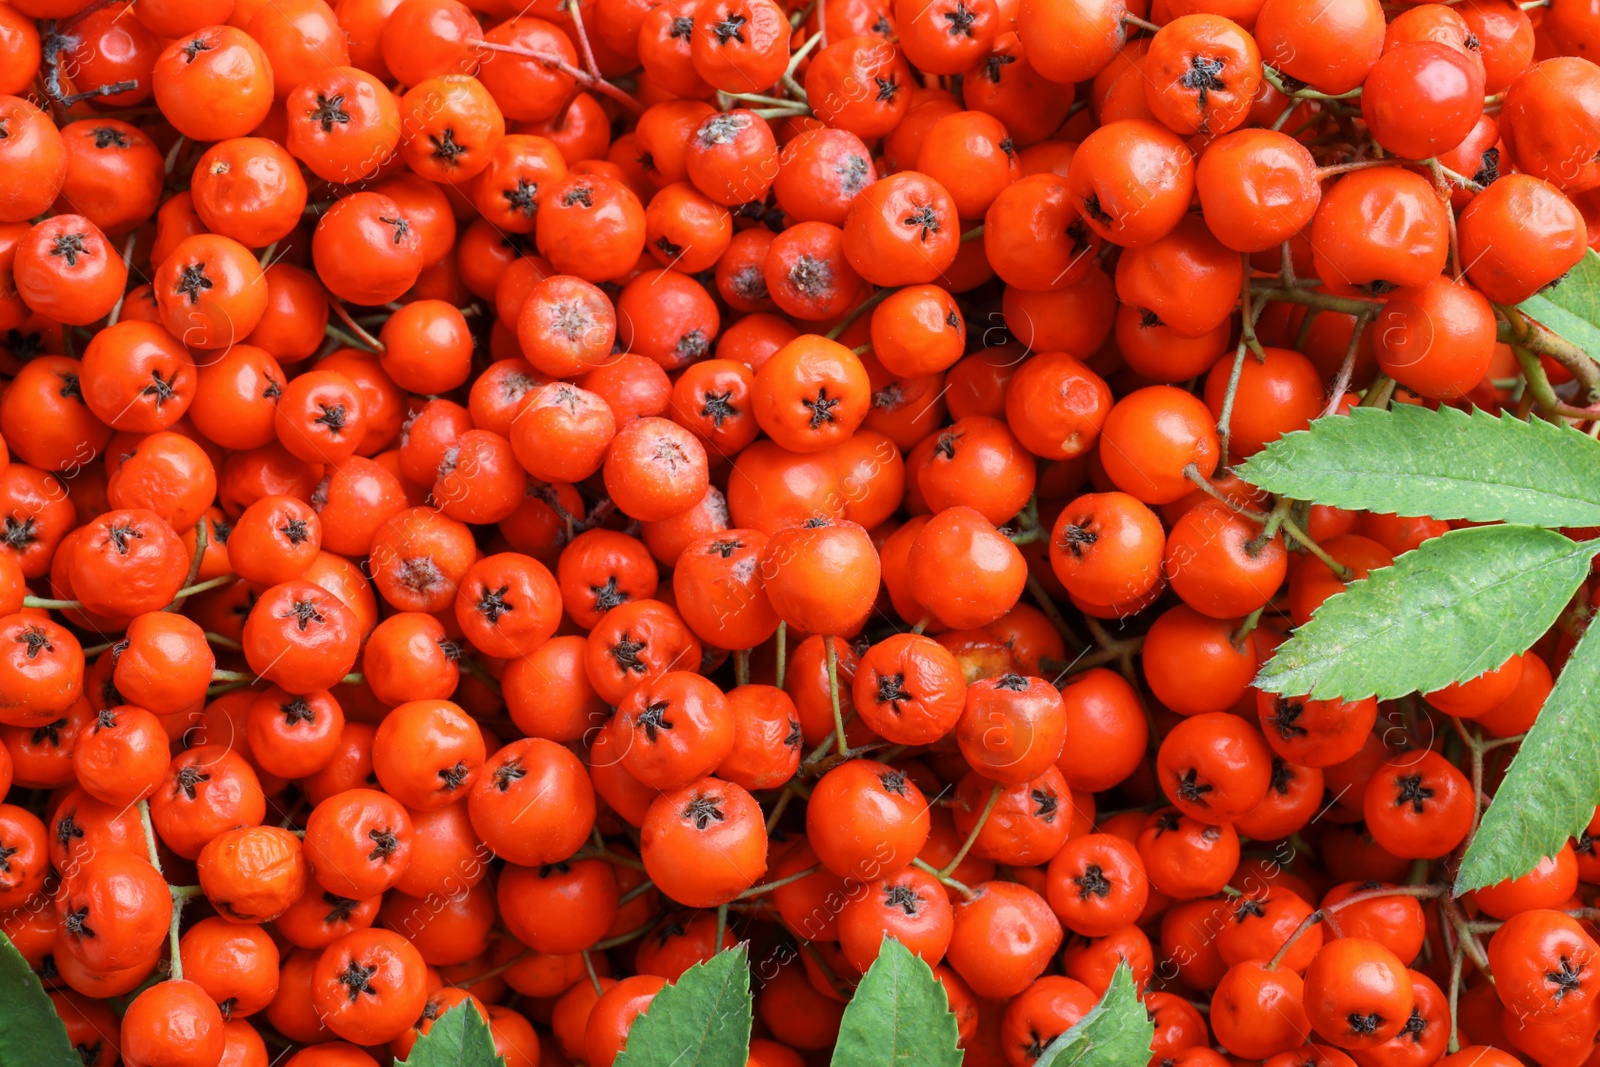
x=173 y=1022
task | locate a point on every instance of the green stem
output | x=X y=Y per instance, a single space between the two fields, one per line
x=1277 y=81
x=607 y=856
x=622 y=939
x=201 y=541
x=859 y=310
x=1203 y=483
x=1247 y=627
x=977 y=828
x=472 y=980
x=127 y=263
x=779 y=807
x=172 y=938
x=761 y=890
x=1538 y=381
x=347 y=339
x=1269 y=529
x=474 y=669
x=1379 y=393
x=353 y=326
x=757 y=98
x=782 y=643
x=149 y=834
x=1519 y=329
x=833 y=694
x=800 y=54
x=636 y=892
x=594 y=978
x=1301 y=538
x=770 y=113
x=944 y=879
x=213 y=583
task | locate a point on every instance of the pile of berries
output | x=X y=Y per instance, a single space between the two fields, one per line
x=505 y=501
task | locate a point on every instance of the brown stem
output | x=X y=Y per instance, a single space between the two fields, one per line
x=1323 y=173
x=1192 y=473
x=582 y=77
x=1468 y=939
x=575 y=9
x=1521 y=330
x=1347 y=369
x=354 y=326
x=761 y=890
x=1424 y=892
x=474 y=979
x=1269 y=290
x=1225 y=417
x=594 y=978
x=859 y=310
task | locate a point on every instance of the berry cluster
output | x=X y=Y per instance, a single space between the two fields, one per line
x=506 y=502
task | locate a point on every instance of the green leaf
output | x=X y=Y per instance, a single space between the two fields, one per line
x=458 y=1038
x=1446 y=464
x=1457 y=606
x=701 y=1020
x=899 y=1016
x=1551 y=790
x=1116 y=1033
x=31 y=1033
x=1572 y=309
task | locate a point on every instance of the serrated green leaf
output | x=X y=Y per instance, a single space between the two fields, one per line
x=458 y=1038
x=1116 y=1033
x=1446 y=464
x=1572 y=309
x=1551 y=790
x=701 y=1020
x=1459 y=605
x=31 y=1033
x=899 y=1016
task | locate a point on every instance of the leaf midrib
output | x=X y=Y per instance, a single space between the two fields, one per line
x=711 y=1018
x=1588 y=547
x=1400 y=475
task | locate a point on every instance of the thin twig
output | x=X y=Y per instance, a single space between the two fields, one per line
x=977 y=828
